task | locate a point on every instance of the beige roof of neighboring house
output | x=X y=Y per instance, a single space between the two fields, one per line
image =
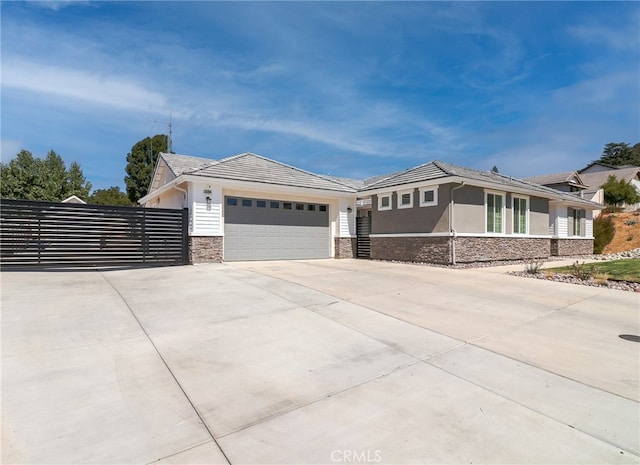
x=597 y=179
x=556 y=178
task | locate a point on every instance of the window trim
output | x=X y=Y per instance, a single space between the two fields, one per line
x=380 y=206
x=399 y=199
x=503 y=195
x=435 y=196
x=526 y=198
x=582 y=227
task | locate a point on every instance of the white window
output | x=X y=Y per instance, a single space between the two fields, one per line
x=405 y=199
x=428 y=196
x=520 y=215
x=384 y=202
x=494 y=203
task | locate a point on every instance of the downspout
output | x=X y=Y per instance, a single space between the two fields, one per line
x=451 y=229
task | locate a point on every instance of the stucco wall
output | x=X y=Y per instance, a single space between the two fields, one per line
x=469 y=210
x=411 y=220
x=538 y=216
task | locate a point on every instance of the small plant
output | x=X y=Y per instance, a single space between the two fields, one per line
x=631 y=222
x=583 y=270
x=630 y=238
x=601 y=278
x=612 y=209
x=636 y=213
x=533 y=266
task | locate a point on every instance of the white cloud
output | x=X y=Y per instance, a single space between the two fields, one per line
x=99 y=89
x=623 y=37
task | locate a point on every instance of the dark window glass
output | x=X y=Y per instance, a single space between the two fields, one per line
x=232 y=201
x=274 y=204
x=299 y=206
x=323 y=208
x=311 y=208
x=261 y=204
x=286 y=205
x=246 y=202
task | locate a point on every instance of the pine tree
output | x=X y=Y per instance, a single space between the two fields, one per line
x=140 y=163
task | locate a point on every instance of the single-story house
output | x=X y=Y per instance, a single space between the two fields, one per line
x=248 y=207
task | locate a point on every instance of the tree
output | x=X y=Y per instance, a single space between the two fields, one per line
x=620 y=153
x=617 y=191
x=140 y=163
x=495 y=169
x=29 y=178
x=111 y=196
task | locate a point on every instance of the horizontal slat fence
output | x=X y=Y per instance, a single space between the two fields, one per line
x=48 y=234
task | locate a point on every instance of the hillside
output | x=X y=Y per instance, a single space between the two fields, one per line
x=627 y=236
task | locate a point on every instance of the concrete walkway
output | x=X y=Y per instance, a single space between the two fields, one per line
x=316 y=362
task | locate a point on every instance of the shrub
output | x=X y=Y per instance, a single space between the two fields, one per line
x=631 y=222
x=583 y=271
x=601 y=278
x=533 y=266
x=612 y=209
x=603 y=231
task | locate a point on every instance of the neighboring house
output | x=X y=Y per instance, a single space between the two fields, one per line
x=566 y=182
x=596 y=174
x=248 y=207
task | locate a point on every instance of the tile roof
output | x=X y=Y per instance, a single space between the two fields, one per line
x=597 y=179
x=554 y=178
x=439 y=170
x=255 y=168
x=180 y=164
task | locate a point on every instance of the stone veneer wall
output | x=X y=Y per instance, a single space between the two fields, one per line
x=346 y=247
x=411 y=249
x=479 y=249
x=568 y=247
x=203 y=249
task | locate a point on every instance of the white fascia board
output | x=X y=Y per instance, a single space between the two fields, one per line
x=589 y=205
x=162 y=189
x=268 y=188
x=448 y=234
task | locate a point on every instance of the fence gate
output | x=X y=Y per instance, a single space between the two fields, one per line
x=47 y=234
x=363 y=229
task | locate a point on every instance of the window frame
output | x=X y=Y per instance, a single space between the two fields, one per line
x=526 y=214
x=434 y=202
x=388 y=207
x=400 y=194
x=502 y=196
x=579 y=229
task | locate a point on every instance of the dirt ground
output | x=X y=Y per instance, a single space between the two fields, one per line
x=627 y=236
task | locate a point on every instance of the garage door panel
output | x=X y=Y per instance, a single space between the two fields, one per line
x=267 y=233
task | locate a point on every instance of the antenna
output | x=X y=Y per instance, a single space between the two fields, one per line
x=169 y=132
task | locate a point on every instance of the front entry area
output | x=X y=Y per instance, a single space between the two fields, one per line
x=270 y=229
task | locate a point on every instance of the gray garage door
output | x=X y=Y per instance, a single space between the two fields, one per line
x=266 y=229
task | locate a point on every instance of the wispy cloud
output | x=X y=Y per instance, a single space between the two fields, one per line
x=623 y=36
x=87 y=86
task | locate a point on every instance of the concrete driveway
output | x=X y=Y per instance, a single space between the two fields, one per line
x=330 y=361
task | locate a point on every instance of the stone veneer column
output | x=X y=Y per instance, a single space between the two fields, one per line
x=345 y=247
x=205 y=249
x=569 y=247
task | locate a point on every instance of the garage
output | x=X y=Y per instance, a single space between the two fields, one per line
x=271 y=229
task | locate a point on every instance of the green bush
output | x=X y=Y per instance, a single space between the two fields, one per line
x=603 y=231
x=583 y=270
x=612 y=209
x=631 y=222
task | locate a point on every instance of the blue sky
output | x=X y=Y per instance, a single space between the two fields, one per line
x=351 y=89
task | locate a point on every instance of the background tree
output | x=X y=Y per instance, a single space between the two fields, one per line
x=29 y=178
x=111 y=196
x=620 y=153
x=140 y=163
x=495 y=169
x=617 y=191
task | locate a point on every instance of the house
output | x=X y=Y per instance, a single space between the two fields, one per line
x=74 y=199
x=588 y=181
x=596 y=174
x=248 y=207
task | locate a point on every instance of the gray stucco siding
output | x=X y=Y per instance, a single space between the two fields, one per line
x=469 y=210
x=539 y=216
x=416 y=219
